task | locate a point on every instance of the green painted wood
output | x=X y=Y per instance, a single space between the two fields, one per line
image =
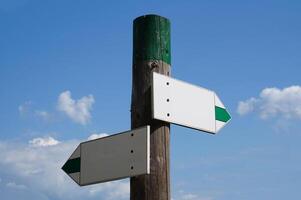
x=151 y=39
x=221 y=114
x=72 y=166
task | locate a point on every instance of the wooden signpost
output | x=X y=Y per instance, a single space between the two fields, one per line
x=157 y=100
x=151 y=53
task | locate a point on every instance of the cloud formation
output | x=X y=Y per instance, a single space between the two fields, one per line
x=27 y=109
x=35 y=169
x=43 y=142
x=274 y=102
x=77 y=110
x=42 y=114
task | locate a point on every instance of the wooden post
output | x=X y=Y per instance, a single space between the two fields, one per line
x=151 y=52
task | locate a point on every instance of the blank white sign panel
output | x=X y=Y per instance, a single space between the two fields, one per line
x=114 y=157
x=184 y=104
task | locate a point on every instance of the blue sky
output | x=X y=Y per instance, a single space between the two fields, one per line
x=65 y=74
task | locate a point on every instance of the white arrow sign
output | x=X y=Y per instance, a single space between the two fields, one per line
x=188 y=105
x=110 y=158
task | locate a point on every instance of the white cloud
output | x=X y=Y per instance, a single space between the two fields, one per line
x=96 y=136
x=245 y=107
x=42 y=114
x=43 y=142
x=77 y=110
x=27 y=110
x=273 y=102
x=39 y=169
x=15 y=186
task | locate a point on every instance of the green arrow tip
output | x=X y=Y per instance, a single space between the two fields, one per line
x=221 y=114
x=72 y=166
